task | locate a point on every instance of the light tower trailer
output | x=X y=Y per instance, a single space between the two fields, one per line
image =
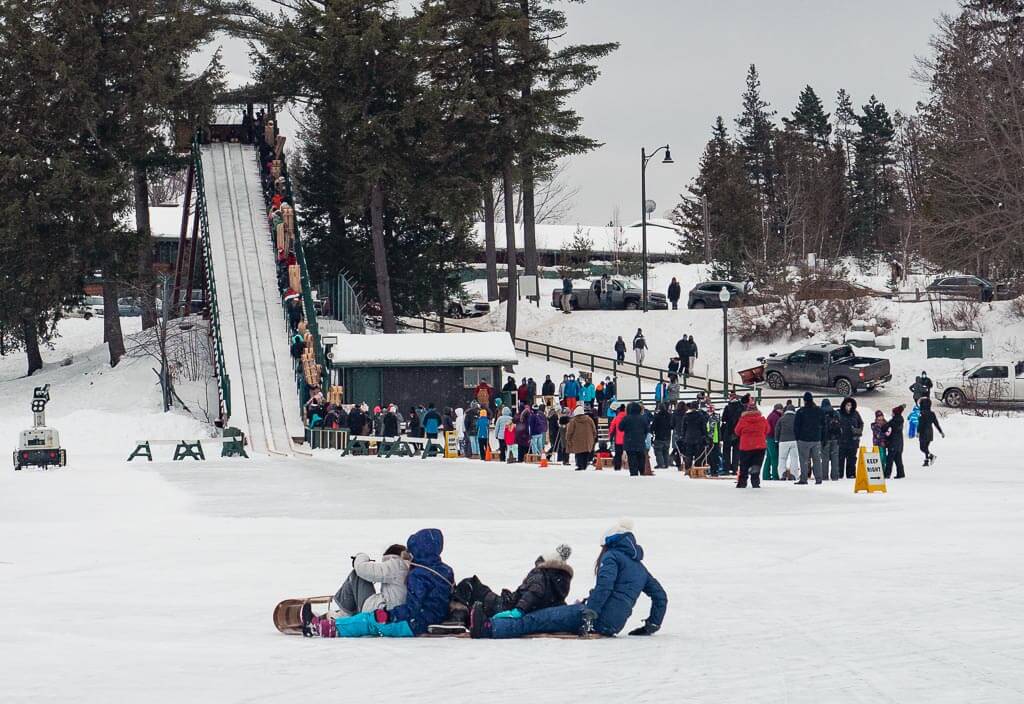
x=40 y=446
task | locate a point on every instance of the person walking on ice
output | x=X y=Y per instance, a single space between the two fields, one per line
x=640 y=346
x=925 y=435
x=621 y=578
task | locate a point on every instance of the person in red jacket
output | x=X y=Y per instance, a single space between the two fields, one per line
x=751 y=429
x=618 y=435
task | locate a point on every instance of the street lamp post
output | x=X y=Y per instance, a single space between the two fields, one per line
x=644 y=158
x=723 y=296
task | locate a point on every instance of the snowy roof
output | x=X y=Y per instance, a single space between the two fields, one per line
x=662 y=236
x=437 y=349
x=955 y=335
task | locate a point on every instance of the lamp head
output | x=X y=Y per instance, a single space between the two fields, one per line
x=724 y=295
x=668 y=156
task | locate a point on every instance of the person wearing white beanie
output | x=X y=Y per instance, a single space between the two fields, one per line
x=621 y=577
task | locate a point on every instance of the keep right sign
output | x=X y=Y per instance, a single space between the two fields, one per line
x=870 y=476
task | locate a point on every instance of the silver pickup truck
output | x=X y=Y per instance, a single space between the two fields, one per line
x=826 y=366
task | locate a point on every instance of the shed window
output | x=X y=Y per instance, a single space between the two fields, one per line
x=472 y=376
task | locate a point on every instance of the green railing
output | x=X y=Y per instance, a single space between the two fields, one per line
x=309 y=309
x=224 y=381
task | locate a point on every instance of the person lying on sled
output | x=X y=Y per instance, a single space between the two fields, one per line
x=428 y=589
x=547 y=584
x=357 y=593
x=621 y=577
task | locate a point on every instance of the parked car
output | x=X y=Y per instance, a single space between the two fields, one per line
x=620 y=296
x=827 y=366
x=89 y=307
x=988 y=383
x=705 y=295
x=974 y=287
x=472 y=306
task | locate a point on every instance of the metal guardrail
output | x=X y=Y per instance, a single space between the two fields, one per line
x=594 y=362
x=224 y=381
x=344 y=304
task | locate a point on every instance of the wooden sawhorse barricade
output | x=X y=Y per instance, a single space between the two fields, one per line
x=232 y=445
x=401 y=446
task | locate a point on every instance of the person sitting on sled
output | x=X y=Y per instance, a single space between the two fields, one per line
x=547 y=584
x=428 y=590
x=621 y=577
x=357 y=592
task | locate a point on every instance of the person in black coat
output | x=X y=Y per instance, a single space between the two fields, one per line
x=673 y=293
x=548 y=387
x=893 y=431
x=620 y=349
x=851 y=427
x=925 y=421
x=635 y=428
x=730 y=443
x=662 y=436
x=546 y=585
x=693 y=434
x=807 y=429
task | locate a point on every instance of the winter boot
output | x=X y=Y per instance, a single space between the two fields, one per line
x=320 y=627
x=932 y=458
x=479 y=624
x=587 y=619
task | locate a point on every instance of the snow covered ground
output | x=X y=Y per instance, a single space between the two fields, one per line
x=156 y=582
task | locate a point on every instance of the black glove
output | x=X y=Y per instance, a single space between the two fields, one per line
x=648 y=629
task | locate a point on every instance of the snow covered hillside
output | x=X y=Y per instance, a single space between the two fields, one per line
x=156 y=582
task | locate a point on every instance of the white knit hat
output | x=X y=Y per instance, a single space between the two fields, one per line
x=624 y=525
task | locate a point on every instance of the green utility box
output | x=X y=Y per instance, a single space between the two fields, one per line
x=955 y=344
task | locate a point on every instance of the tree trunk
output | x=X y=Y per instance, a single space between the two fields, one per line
x=489 y=246
x=526 y=158
x=140 y=182
x=112 y=323
x=380 y=261
x=529 y=216
x=35 y=359
x=510 y=249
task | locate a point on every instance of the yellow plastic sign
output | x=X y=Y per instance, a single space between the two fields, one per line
x=870 y=476
x=451 y=444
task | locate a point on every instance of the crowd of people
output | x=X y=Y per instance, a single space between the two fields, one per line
x=418 y=594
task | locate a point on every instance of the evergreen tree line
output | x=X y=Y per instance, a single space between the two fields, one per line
x=414 y=123
x=941 y=186
x=815 y=182
x=92 y=88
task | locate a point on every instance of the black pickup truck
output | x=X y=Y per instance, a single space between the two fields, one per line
x=826 y=366
x=619 y=295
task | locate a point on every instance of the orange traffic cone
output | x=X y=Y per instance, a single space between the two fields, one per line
x=487 y=453
x=543 y=462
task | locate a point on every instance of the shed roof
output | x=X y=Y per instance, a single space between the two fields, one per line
x=449 y=349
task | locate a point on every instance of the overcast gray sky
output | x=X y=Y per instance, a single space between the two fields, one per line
x=682 y=62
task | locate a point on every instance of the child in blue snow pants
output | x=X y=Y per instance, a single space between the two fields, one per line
x=364 y=624
x=555 y=619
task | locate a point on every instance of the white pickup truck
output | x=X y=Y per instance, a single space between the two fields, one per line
x=986 y=383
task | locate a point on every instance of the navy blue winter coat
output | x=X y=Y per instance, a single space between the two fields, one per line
x=429 y=583
x=621 y=576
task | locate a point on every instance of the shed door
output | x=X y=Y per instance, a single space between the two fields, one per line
x=365 y=385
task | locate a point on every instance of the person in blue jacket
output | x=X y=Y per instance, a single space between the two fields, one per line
x=431 y=422
x=621 y=577
x=429 y=588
